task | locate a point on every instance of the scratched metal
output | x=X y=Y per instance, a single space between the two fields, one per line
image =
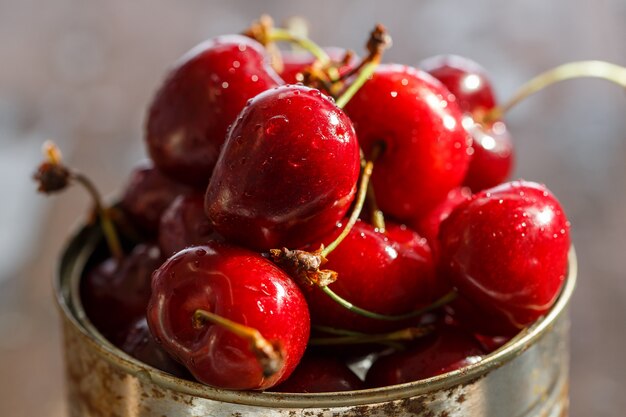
x=527 y=377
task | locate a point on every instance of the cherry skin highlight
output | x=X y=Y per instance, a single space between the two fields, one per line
x=185 y=224
x=425 y=147
x=201 y=96
x=287 y=172
x=238 y=285
x=506 y=252
x=317 y=373
x=388 y=273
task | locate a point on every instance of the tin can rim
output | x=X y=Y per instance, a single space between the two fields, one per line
x=81 y=245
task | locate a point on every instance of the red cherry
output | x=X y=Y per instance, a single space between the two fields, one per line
x=116 y=292
x=201 y=96
x=387 y=273
x=506 y=252
x=185 y=224
x=287 y=172
x=294 y=62
x=139 y=343
x=426 y=148
x=237 y=285
x=492 y=161
x=448 y=349
x=148 y=194
x=320 y=374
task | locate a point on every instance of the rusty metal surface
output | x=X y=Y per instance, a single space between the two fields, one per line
x=528 y=377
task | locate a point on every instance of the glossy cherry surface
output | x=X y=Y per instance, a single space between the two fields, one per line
x=139 y=343
x=147 y=194
x=506 y=252
x=185 y=224
x=201 y=96
x=448 y=349
x=388 y=273
x=114 y=293
x=238 y=285
x=317 y=373
x=287 y=172
x=425 y=147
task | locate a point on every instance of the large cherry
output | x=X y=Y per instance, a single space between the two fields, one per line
x=317 y=373
x=506 y=252
x=492 y=161
x=419 y=125
x=237 y=285
x=147 y=194
x=287 y=172
x=201 y=96
x=185 y=224
x=448 y=349
x=115 y=292
x=387 y=273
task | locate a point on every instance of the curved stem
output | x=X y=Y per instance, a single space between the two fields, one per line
x=372 y=315
x=594 y=69
x=409 y=333
x=283 y=35
x=366 y=72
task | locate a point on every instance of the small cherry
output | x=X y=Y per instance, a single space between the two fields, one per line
x=185 y=224
x=446 y=350
x=233 y=318
x=287 y=172
x=506 y=252
x=317 y=373
x=147 y=195
x=426 y=149
x=201 y=96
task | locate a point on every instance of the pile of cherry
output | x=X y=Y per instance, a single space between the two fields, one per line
x=261 y=255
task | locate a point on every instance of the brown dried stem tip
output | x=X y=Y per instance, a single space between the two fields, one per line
x=268 y=353
x=304 y=266
x=51 y=176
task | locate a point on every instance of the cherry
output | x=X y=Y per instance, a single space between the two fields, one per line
x=287 y=172
x=388 y=273
x=147 y=195
x=201 y=96
x=317 y=373
x=448 y=349
x=139 y=343
x=242 y=288
x=492 y=161
x=116 y=291
x=426 y=148
x=185 y=224
x=506 y=252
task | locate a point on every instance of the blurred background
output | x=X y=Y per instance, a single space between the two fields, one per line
x=83 y=72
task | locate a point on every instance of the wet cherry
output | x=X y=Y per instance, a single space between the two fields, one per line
x=237 y=285
x=426 y=149
x=200 y=98
x=506 y=252
x=287 y=172
x=317 y=373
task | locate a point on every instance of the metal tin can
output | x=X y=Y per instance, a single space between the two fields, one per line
x=526 y=377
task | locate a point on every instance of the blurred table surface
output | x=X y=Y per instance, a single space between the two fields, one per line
x=82 y=73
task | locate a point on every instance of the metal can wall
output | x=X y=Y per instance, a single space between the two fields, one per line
x=527 y=377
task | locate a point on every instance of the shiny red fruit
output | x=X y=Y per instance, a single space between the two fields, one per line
x=185 y=224
x=201 y=96
x=388 y=273
x=147 y=194
x=320 y=374
x=238 y=285
x=287 y=172
x=448 y=349
x=419 y=125
x=506 y=252
x=114 y=293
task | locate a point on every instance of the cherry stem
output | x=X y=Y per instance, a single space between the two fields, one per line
x=284 y=35
x=268 y=354
x=376 y=215
x=372 y=315
x=410 y=333
x=579 y=69
x=337 y=331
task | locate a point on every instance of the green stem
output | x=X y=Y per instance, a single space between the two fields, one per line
x=366 y=72
x=372 y=315
x=410 y=333
x=377 y=216
x=283 y=35
x=337 y=331
x=594 y=69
